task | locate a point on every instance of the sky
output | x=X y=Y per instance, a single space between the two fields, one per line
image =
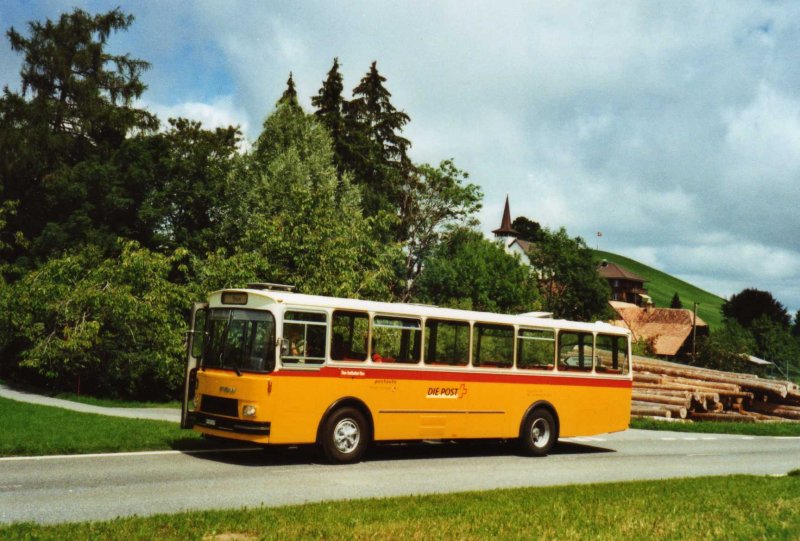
x=672 y=128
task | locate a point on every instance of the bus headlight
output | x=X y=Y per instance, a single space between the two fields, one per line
x=248 y=410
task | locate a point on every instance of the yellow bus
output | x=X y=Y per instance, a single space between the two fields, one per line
x=274 y=367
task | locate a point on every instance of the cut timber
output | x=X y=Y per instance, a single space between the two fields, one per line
x=650 y=411
x=704 y=383
x=661 y=399
x=646 y=378
x=778 y=410
x=751 y=384
x=663 y=392
x=676 y=411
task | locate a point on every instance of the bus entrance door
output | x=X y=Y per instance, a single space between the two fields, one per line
x=194 y=349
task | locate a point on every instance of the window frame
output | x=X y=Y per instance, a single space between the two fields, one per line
x=566 y=367
x=553 y=341
x=303 y=360
x=377 y=358
x=495 y=364
x=358 y=314
x=453 y=322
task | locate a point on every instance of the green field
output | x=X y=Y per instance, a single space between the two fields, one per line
x=735 y=507
x=661 y=287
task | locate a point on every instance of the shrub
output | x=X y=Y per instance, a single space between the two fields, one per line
x=112 y=326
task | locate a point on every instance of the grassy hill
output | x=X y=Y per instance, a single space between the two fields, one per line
x=661 y=287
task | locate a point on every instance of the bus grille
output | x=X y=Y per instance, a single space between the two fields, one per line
x=219 y=405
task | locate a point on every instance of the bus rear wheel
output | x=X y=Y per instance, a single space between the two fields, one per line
x=539 y=433
x=344 y=436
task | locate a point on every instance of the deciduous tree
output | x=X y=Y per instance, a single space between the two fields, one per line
x=528 y=229
x=434 y=199
x=569 y=283
x=468 y=271
x=297 y=222
x=750 y=304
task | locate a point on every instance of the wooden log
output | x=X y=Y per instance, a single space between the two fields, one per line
x=750 y=381
x=664 y=392
x=660 y=399
x=793 y=398
x=761 y=417
x=648 y=411
x=711 y=397
x=715 y=385
x=646 y=378
x=675 y=410
x=645 y=363
x=727 y=417
x=664 y=387
x=705 y=389
x=749 y=384
x=778 y=410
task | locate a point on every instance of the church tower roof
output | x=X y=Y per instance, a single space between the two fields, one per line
x=505 y=229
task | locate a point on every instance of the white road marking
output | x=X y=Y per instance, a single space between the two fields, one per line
x=137 y=453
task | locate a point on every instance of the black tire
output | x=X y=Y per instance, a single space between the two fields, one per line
x=539 y=433
x=344 y=436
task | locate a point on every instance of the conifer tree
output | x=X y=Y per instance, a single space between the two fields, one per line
x=330 y=104
x=676 y=301
x=376 y=153
x=290 y=94
x=77 y=105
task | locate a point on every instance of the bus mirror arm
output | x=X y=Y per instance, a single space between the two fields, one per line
x=283 y=344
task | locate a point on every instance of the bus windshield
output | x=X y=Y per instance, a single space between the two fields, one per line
x=240 y=340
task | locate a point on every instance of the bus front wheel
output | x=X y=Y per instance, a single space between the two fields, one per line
x=344 y=436
x=539 y=433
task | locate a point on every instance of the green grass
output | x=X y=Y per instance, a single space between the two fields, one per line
x=111 y=403
x=735 y=507
x=661 y=287
x=29 y=429
x=86 y=399
x=714 y=427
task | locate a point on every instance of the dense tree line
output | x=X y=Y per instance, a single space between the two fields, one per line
x=112 y=221
x=755 y=323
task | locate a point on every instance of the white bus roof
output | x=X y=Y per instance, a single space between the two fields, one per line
x=530 y=319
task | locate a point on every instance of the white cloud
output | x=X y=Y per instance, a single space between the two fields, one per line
x=220 y=113
x=673 y=128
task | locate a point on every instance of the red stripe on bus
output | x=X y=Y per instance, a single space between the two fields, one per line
x=358 y=372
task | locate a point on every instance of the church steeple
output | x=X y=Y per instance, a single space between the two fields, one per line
x=505 y=229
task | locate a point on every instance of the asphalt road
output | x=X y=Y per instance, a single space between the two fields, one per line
x=76 y=488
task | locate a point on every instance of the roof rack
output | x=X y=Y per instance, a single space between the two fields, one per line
x=269 y=286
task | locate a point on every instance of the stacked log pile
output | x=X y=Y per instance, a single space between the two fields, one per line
x=676 y=391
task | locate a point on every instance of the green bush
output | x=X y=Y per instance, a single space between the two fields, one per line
x=113 y=326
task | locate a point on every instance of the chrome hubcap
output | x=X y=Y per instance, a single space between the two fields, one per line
x=346 y=436
x=540 y=433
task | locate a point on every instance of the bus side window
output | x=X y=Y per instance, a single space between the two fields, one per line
x=446 y=342
x=349 y=336
x=536 y=349
x=304 y=335
x=493 y=346
x=396 y=339
x=575 y=351
x=612 y=354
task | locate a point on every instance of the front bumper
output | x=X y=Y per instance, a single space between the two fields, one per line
x=199 y=419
